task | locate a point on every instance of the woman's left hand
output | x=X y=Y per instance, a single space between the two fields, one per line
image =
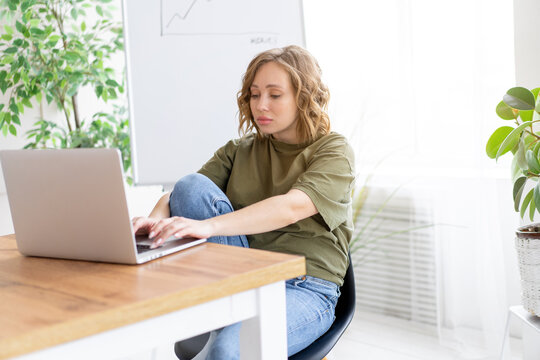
x=179 y=227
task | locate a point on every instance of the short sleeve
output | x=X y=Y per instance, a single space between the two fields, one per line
x=329 y=180
x=218 y=168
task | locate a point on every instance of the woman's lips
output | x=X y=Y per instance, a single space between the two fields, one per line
x=263 y=120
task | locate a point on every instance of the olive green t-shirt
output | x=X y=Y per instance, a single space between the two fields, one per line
x=249 y=170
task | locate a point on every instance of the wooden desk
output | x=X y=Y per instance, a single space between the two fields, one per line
x=75 y=309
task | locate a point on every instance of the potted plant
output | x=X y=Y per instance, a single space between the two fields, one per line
x=521 y=107
x=49 y=51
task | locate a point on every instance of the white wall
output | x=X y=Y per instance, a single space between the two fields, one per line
x=527 y=42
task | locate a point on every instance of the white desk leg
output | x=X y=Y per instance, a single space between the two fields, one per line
x=265 y=336
x=531 y=344
x=506 y=338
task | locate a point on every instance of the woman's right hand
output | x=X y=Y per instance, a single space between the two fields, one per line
x=142 y=225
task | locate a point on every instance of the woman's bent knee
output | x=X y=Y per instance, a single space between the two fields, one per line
x=185 y=186
x=193 y=197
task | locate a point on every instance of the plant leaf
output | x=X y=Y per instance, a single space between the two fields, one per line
x=505 y=112
x=520 y=155
x=509 y=142
x=496 y=139
x=515 y=170
x=536 y=195
x=526 y=202
x=519 y=98
x=532 y=162
x=532 y=207
x=519 y=185
x=526 y=115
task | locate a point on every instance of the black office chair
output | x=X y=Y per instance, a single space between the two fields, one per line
x=187 y=349
x=344 y=314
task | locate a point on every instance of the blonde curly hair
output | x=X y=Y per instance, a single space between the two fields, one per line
x=311 y=94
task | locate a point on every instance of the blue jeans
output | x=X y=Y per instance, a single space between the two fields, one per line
x=310 y=301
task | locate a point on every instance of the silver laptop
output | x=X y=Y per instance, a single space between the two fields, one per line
x=71 y=204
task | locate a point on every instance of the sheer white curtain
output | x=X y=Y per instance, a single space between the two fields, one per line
x=420 y=79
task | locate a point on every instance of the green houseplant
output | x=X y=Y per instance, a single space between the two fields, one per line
x=49 y=51
x=521 y=107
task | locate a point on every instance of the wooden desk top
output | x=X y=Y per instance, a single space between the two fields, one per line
x=45 y=302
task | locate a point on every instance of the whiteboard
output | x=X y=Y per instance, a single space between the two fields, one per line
x=185 y=60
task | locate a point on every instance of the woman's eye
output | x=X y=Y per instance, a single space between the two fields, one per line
x=254 y=96
x=275 y=96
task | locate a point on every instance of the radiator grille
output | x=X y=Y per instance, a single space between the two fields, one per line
x=396 y=275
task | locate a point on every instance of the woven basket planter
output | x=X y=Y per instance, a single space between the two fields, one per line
x=528 y=250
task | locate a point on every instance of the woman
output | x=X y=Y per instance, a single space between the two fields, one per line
x=284 y=186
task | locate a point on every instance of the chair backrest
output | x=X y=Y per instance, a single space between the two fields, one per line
x=344 y=314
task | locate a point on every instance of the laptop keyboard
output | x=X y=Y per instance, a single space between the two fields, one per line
x=141 y=248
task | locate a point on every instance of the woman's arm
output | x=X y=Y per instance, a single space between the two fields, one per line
x=266 y=215
x=142 y=225
x=161 y=210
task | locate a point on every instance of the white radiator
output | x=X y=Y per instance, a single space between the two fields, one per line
x=396 y=275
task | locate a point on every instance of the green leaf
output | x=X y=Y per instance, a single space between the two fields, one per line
x=496 y=139
x=509 y=141
x=535 y=93
x=20 y=27
x=526 y=115
x=519 y=98
x=520 y=155
x=536 y=148
x=25 y=5
x=53 y=39
x=9 y=29
x=112 y=82
x=532 y=162
x=526 y=202
x=532 y=208
x=536 y=195
x=36 y=31
x=14 y=108
x=12 y=130
x=26 y=103
x=7 y=59
x=71 y=55
x=519 y=185
x=99 y=10
x=505 y=112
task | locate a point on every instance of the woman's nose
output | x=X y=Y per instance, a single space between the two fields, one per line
x=262 y=104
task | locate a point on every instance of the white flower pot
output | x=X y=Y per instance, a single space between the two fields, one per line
x=528 y=250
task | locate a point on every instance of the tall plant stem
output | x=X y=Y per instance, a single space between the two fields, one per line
x=66 y=114
x=60 y=21
x=76 y=111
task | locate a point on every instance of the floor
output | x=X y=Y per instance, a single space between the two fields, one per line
x=376 y=337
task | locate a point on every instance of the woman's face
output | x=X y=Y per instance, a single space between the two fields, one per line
x=273 y=104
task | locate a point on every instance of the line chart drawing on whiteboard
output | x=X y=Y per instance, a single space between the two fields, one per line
x=214 y=17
